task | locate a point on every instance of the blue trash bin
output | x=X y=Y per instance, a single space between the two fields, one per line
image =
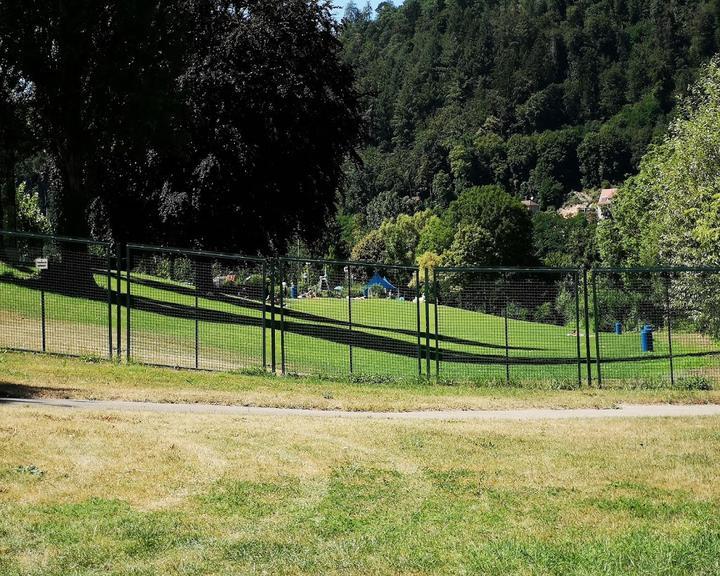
x=293 y=291
x=647 y=342
x=618 y=328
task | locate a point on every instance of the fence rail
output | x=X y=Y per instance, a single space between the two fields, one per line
x=217 y=311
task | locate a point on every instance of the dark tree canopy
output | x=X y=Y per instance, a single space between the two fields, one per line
x=221 y=123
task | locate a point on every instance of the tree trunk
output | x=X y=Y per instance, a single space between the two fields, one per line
x=72 y=272
x=203 y=277
x=72 y=219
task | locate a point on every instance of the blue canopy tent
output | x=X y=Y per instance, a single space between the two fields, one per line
x=381 y=281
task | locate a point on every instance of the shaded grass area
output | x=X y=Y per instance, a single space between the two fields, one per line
x=31 y=375
x=228 y=335
x=107 y=493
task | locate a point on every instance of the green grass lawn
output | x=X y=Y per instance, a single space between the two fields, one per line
x=151 y=494
x=383 y=340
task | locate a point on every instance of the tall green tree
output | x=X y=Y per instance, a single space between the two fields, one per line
x=669 y=213
x=501 y=218
x=225 y=124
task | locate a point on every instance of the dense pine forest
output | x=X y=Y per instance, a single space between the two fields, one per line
x=540 y=98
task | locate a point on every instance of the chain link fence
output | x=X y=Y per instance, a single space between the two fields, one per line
x=56 y=295
x=507 y=325
x=211 y=311
x=656 y=326
x=190 y=309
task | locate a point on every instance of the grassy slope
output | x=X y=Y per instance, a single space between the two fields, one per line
x=28 y=375
x=100 y=493
x=316 y=340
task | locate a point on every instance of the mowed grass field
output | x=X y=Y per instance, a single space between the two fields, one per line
x=149 y=494
x=26 y=375
x=383 y=341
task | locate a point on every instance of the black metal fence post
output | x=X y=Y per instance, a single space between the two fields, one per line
x=109 y=301
x=350 y=324
x=669 y=327
x=507 y=329
x=42 y=320
x=128 y=267
x=427 y=322
x=282 y=317
x=597 y=330
x=197 y=328
x=437 y=329
x=272 y=318
x=263 y=321
x=118 y=301
x=578 y=325
x=586 y=300
x=419 y=335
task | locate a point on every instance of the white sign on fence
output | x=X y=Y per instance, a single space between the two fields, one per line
x=41 y=263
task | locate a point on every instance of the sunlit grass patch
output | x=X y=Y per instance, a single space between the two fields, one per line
x=171 y=494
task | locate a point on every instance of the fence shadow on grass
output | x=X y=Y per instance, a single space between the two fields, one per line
x=289 y=313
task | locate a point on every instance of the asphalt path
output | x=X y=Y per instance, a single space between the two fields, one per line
x=528 y=414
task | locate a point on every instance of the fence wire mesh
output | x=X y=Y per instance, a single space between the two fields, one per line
x=314 y=323
x=387 y=314
x=195 y=310
x=55 y=295
x=694 y=304
x=209 y=311
x=507 y=325
x=655 y=326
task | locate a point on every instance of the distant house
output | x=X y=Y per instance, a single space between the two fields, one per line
x=573 y=211
x=532 y=206
x=607 y=197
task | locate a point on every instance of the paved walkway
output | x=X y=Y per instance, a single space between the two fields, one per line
x=634 y=411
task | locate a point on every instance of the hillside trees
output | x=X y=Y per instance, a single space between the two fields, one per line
x=519 y=94
x=484 y=226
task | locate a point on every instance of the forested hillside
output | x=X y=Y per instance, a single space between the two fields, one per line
x=540 y=97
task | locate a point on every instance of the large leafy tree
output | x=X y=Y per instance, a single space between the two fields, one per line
x=272 y=115
x=490 y=218
x=99 y=81
x=222 y=123
x=670 y=212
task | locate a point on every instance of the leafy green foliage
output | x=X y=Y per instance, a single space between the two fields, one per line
x=541 y=98
x=30 y=218
x=669 y=212
x=494 y=223
x=561 y=242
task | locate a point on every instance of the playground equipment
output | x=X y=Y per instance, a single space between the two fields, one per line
x=381 y=281
x=323 y=282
